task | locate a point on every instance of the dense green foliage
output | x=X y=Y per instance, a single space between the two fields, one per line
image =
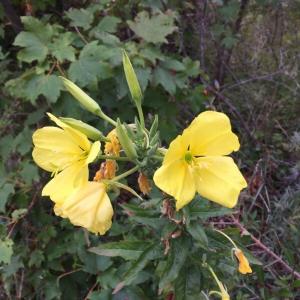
x=240 y=57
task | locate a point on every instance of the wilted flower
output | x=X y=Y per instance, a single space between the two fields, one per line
x=195 y=162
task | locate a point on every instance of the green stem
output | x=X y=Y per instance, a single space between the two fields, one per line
x=139 y=107
x=102 y=115
x=126 y=173
x=113 y=157
x=161 y=158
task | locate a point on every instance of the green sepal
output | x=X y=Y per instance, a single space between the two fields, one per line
x=155 y=139
x=152 y=150
x=130 y=132
x=139 y=129
x=132 y=81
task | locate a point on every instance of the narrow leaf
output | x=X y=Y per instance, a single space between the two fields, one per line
x=196 y=230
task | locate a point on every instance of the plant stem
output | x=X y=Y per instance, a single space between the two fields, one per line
x=106 y=118
x=161 y=158
x=126 y=174
x=141 y=115
x=113 y=157
x=162 y=150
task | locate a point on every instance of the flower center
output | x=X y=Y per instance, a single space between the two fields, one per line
x=188 y=157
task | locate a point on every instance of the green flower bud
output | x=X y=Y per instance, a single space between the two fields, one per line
x=139 y=129
x=132 y=81
x=153 y=127
x=130 y=132
x=90 y=131
x=152 y=150
x=82 y=97
x=126 y=142
x=155 y=139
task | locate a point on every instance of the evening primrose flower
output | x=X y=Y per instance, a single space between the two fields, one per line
x=65 y=153
x=195 y=161
x=88 y=206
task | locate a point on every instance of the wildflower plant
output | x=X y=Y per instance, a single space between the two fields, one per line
x=186 y=249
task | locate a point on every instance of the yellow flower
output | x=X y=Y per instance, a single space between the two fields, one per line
x=88 y=206
x=195 y=162
x=244 y=267
x=65 y=153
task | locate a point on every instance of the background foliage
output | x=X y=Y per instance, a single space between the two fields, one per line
x=240 y=57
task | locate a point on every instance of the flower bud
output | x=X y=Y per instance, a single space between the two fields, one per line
x=132 y=81
x=125 y=142
x=153 y=127
x=139 y=129
x=91 y=132
x=82 y=97
x=155 y=139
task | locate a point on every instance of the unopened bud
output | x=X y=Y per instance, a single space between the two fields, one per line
x=153 y=127
x=82 y=97
x=139 y=129
x=90 y=131
x=130 y=132
x=155 y=139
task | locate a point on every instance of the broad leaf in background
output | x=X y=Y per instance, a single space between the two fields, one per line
x=80 y=18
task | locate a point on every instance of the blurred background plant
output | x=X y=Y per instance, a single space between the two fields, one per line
x=239 y=56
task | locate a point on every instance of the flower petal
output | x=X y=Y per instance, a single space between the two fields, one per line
x=176 y=180
x=89 y=207
x=210 y=135
x=62 y=185
x=80 y=139
x=93 y=152
x=220 y=181
x=176 y=151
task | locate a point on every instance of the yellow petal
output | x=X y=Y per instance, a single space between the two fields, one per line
x=176 y=151
x=244 y=267
x=89 y=207
x=220 y=180
x=176 y=180
x=210 y=135
x=93 y=152
x=79 y=138
x=56 y=140
x=62 y=185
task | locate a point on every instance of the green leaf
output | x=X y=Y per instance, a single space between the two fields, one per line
x=164 y=77
x=285 y=293
x=177 y=254
x=173 y=64
x=187 y=284
x=29 y=173
x=154 y=251
x=206 y=212
x=5 y=191
x=89 y=259
x=91 y=66
x=126 y=249
x=152 y=53
x=108 y=278
x=192 y=67
x=153 y=30
x=6 y=250
x=61 y=48
x=196 y=230
x=36 y=258
x=35 y=40
x=289 y=256
x=23 y=141
x=47 y=234
x=16 y=214
x=108 y=24
x=296 y=284
x=80 y=18
x=51 y=289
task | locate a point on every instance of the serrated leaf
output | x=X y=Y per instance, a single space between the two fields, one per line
x=16 y=214
x=108 y=24
x=91 y=65
x=23 y=141
x=153 y=30
x=154 y=251
x=51 y=289
x=177 y=254
x=196 y=230
x=61 y=48
x=173 y=64
x=80 y=18
x=126 y=249
x=6 y=250
x=187 y=284
x=164 y=77
x=152 y=53
x=36 y=258
x=5 y=191
x=35 y=40
x=192 y=67
x=47 y=234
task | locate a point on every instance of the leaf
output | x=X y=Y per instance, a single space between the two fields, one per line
x=177 y=254
x=187 y=284
x=91 y=66
x=23 y=141
x=206 y=212
x=29 y=173
x=173 y=64
x=152 y=53
x=47 y=234
x=61 y=48
x=108 y=24
x=6 y=250
x=18 y=213
x=89 y=259
x=36 y=258
x=153 y=30
x=108 y=278
x=164 y=77
x=192 y=67
x=35 y=40
x=152 y=252
x=126 y=249
x=5 y=191
x=51 y=289
x=80 y=18
x=289 y=256
x=196 y=230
